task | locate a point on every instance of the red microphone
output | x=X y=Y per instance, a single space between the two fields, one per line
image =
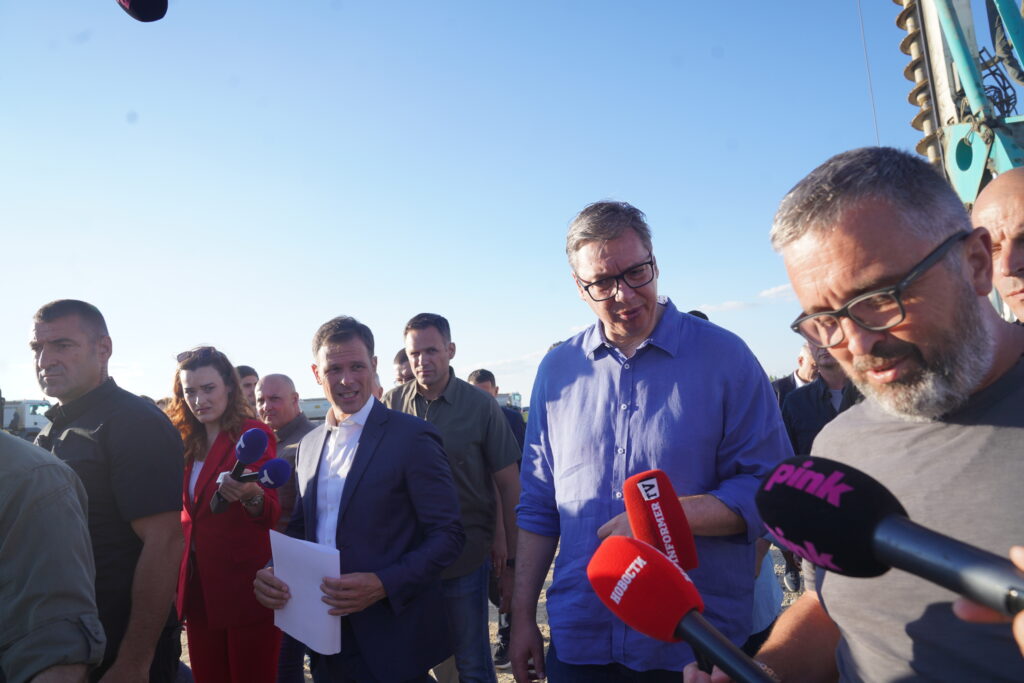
x=653 y=595
x=656 y=517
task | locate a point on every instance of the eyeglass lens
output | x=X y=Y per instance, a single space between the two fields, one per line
x=608 y=287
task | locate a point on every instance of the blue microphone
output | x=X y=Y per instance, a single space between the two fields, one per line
x=251 y=447
x=274 y=473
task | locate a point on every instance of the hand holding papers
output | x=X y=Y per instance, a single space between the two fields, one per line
x=301 y=566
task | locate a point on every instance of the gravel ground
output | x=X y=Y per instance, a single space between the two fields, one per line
x=542 y=617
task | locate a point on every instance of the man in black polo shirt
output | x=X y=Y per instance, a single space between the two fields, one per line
x=130 y=460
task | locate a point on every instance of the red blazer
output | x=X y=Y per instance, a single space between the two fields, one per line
x=228 y=549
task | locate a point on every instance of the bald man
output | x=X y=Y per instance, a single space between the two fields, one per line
x=1000 y=208
x=277 y=403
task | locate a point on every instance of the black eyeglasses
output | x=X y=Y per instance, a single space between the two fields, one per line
x=198 y=353
x=876 y=310
x=607 y=287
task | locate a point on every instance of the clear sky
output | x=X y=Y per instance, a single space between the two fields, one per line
x=239 y=172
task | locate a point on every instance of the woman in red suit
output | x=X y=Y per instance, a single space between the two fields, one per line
x=231 y=637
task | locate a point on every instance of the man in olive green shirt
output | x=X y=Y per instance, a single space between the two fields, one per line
x=482 y=452
x=49 y=628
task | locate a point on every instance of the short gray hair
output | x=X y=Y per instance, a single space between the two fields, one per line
x=603 y=222
x=927 y=203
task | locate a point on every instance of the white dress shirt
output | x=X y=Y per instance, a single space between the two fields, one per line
x=335 y=462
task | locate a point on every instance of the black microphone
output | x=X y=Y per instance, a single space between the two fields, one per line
x=144 y=10
x=250 y=448
x=839 y=518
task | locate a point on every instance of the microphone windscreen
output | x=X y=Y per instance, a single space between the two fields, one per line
x=251 y=446
x=274 y=473
x=642 y=587
x=826 y=512
x=656 y=517
x=144 y=10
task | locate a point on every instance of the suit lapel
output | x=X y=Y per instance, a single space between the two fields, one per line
x=308 y=464
x=212 y=466
x=372 y=433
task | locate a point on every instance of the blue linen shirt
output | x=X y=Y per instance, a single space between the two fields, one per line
x=692 y=401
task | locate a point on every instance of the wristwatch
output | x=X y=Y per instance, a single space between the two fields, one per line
x=255 y=500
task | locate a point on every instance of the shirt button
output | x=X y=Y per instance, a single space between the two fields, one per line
x=618 y=495
x=620 y=451
x=624 y=406
x=626 y=366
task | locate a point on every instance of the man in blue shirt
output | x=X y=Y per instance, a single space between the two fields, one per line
x=645 y=387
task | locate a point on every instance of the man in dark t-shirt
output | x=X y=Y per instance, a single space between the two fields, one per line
x=892 y=279
x=129 y=458
x=485 y=381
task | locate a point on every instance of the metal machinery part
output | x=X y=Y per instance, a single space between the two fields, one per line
x=970 y=129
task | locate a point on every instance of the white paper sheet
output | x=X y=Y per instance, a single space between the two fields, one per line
x=303 y=565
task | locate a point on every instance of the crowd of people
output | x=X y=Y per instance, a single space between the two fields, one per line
x=120 y=528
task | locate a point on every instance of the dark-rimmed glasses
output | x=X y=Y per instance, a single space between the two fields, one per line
x=199 y=353
x=876 y=310
x=607 y=287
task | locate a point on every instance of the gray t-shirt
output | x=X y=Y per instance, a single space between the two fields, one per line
x=960 y=476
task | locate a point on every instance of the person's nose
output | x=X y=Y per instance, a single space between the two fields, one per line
x=625 y=293
x=858 y=340
x=1010 y=262
x=45 y=359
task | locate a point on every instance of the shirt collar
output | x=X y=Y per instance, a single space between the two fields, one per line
x=75 y=409
x=292 y=425
x=665 y=336
x=822 y=388
x=449 y=392
x=356 y=419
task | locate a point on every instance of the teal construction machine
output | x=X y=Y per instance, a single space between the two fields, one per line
x=965 y=90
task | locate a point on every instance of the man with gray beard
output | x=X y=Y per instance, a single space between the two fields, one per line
x=893 y=281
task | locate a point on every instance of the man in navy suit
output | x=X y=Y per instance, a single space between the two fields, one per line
x=805 y=373
x=376 y=484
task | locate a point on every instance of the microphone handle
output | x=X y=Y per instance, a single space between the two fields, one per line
x=218 y=504
x=982 y=576
x=699 y=633
x=238 y=470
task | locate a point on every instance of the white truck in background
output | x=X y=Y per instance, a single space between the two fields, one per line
x=315 y=408
x=25 y=418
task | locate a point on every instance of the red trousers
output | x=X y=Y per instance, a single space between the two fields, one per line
x=242 y=654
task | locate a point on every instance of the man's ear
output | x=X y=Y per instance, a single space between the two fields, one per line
x=451 y=350
x=978 y=259
x=579 y=288
x=106 y=347
x=316 y=373
x=373 y=363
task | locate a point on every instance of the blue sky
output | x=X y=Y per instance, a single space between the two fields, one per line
x=239 y=172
